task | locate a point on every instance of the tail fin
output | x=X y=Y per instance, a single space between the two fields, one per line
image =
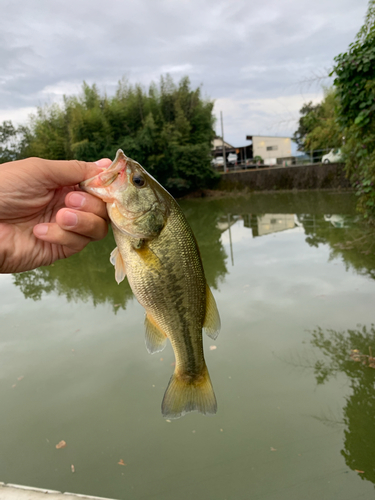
x=185 y=394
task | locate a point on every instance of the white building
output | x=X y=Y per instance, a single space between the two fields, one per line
x=269 y=148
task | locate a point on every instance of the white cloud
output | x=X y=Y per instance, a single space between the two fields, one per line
x=17 y=115
x=249 y=56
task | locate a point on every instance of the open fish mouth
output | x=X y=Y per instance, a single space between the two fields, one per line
x=104 y=178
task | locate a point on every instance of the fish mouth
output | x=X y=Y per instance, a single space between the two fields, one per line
x=108 y=175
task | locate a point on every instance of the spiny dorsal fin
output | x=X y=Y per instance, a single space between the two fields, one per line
x=155 y=339
x=117 y=260
x=212 y=323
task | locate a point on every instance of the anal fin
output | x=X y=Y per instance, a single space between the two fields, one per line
x=212 y=323
x=155 y=339
x=117 y=260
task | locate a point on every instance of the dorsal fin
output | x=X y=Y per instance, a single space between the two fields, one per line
x=212 y=323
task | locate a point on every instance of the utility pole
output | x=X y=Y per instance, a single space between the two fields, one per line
x=222 y=137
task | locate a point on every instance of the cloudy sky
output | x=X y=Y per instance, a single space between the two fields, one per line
x=256 y=59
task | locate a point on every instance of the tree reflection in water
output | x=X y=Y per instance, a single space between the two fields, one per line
x=352 y=240
x=89 y=275
x=85 y=276
x=359 y=410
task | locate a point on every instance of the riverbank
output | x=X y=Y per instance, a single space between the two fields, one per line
x=295 y=177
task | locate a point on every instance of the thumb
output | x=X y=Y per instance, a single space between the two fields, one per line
x=68 y=173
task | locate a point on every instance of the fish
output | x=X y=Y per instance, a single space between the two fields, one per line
x=158 y=253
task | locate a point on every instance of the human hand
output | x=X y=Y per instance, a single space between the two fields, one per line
x=43 y=215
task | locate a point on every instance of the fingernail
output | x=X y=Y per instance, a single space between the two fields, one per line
x=103 y=162
x=40 y=229
x=69 y=218
x=76 y=200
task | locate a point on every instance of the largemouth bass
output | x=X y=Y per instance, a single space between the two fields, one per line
x=158 y=253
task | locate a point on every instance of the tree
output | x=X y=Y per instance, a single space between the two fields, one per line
x=317 y=127
x=355 y=86
x=8 y=142
x=306 y=124
x=168 y=129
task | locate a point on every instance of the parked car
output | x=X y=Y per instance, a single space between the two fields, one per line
x=218 y=161
x=333 y=156
x=336 y=220
x=232 y=158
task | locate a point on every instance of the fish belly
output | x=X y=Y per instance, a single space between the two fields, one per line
x=167 y=278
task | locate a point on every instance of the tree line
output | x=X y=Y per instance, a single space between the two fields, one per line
x=167 y=128
x=346 y=117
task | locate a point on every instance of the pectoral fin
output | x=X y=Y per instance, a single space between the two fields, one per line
x=212 y=323
x=117 y=260
x=155 y=339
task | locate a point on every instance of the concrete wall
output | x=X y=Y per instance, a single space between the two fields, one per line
x=316 y=176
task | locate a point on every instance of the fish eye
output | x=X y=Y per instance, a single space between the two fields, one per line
x=138 y=180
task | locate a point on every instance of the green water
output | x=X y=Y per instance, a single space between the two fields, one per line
x=293 y=276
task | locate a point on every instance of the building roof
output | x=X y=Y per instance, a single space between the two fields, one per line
x=218 y=143
x=250 y=137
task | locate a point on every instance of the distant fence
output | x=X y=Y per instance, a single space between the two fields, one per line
x=311 y=176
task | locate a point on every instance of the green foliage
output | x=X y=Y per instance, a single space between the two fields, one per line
x=341 y=352
x=306 y=123
x=8 y=142
x=258 y=159
x=355 y=86
x=168 y=129
x=318 y=127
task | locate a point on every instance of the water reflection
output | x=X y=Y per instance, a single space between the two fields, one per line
x=85 y=276
x=359 y=410
x=349 y=239
x=93 y=376
x=89 y=275
x=260 y=224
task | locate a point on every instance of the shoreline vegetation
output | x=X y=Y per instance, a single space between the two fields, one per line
x=345 y=118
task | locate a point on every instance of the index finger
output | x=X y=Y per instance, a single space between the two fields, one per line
x=70 y=172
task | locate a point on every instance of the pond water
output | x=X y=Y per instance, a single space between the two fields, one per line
x=293 y=277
